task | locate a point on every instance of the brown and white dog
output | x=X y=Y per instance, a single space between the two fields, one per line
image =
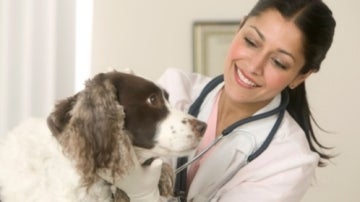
x=94 y=129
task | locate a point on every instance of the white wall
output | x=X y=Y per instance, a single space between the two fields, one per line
x=149 y=36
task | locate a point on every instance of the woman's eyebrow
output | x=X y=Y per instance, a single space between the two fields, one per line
x=263 y=38
x=258 y=32
x=287 y=53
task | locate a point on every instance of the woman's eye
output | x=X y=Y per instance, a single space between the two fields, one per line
x=249 y=42
x=278 y=63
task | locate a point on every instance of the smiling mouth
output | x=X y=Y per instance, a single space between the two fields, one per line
x=244 y=80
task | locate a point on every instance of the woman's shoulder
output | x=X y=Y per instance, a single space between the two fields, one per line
x=289 y=150
x=288 y=164
x=292 y=139
x=183 y=86
x=172 y=75
x=291 y=130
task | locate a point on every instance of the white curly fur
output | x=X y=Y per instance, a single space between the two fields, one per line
x=37 y=168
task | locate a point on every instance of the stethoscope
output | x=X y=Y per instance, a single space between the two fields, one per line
x=183 y=162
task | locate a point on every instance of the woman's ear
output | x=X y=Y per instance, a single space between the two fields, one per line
x=299 y=79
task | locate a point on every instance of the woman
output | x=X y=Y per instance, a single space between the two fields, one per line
x=278 y=45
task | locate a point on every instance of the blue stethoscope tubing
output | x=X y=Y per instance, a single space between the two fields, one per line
x=194 y=110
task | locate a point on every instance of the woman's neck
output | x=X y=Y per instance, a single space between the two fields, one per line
x=230 y=111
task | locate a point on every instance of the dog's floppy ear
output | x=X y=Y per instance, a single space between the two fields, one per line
x=60 y=117
x=94 y=136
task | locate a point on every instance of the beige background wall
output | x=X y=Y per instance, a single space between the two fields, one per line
x=149 y=36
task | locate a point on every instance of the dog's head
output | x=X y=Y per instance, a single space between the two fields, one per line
x=97 y=126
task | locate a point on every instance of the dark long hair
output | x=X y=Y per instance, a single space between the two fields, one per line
x=316 y=22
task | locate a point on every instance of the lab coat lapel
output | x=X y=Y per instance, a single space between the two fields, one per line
x=212 y=174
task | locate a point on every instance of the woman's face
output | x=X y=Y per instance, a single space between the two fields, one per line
x=265 y=57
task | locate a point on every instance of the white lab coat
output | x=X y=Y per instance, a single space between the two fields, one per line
x=283 y=172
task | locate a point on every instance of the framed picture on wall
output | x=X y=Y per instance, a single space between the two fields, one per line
x=211 y=40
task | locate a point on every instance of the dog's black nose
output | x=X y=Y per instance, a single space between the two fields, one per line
x=198 y=127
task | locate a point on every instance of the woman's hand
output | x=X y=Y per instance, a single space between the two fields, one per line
x=140 y=183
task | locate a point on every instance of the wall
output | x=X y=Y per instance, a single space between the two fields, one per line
x=149 y=36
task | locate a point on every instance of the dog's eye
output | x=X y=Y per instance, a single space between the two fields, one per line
x=153 y=100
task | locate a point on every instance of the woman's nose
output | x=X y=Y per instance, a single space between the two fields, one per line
x=257 y=64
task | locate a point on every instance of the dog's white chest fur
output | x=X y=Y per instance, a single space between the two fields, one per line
x=33 y=157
